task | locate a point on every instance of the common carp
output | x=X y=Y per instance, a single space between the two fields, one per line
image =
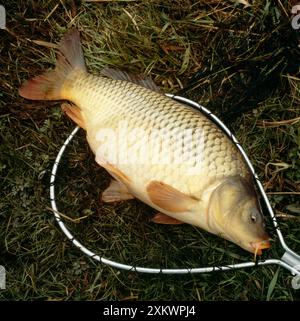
x=166 y=154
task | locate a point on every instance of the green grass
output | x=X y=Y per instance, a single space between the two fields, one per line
x=242 y=63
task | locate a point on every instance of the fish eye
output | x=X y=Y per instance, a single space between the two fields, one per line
x=253 y=217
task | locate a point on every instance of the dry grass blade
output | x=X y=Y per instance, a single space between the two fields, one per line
x=286 y=216
x=244 y=2
x=73 y=220
x=270 y=124
x=44 y=43
x=283 y=193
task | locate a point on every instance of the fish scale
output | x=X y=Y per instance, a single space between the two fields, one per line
x=148 y=110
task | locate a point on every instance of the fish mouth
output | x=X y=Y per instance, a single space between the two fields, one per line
x=259 y=246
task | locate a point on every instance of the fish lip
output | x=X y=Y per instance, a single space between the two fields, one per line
x=260 y=245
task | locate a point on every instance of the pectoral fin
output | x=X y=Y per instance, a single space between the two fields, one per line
x=161 y=218
x=116 y=192
x=74 y=113
x=168 y=198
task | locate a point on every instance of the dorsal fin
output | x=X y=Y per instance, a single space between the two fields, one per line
x=138 y=79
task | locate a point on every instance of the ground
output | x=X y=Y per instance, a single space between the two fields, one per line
x=238 y=58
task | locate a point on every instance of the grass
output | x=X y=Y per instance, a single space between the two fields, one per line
x=241 y=62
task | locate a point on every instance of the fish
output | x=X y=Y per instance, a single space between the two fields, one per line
x=158 y=150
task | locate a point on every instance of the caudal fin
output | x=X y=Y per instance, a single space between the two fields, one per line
x=48 y=86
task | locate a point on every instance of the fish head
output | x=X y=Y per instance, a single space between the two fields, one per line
x=235 y=215
x=249 y=226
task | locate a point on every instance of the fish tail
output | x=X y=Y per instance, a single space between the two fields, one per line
x=49 y=86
